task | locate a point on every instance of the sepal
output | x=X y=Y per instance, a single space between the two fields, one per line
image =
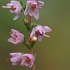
x=32 y=44
x=23 y=6
x=34 y=24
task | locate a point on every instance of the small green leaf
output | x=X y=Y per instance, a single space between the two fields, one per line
x=32 y=44
x=34 y=24
x=29 y=28
x=27 y=24
x=21 y=3
x=24 y=6
x=25 y=42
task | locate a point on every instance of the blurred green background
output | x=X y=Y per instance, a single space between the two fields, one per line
x=51 y=54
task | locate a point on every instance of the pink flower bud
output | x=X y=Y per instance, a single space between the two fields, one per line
x=34 y=38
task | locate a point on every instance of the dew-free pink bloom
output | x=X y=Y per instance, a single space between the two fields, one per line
x=16 y=58
x=27 y=60
x=40 y=31
x=32 y=8
x=15 y=7
x=16 y=37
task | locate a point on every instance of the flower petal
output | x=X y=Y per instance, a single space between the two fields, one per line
x=10 y=40
x=16 y=17
x=47 y=29
x=14 y=31
x=31 y=0
x=12 y=11
x=17 y=42
x=15 y=54
x=14 y=63
x=15 y=59
x=20 y=36
x=36 y=14
x=40 y=3
x=23 y=62
x=40 y=38
x=41 y=31
x=10 y=4
x=14 y=2
x=32 y=33
x=38 y=27
x=30 y=12
x=26 y=11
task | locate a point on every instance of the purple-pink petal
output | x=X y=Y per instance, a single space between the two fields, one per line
x=31 y=58
x=16 y=17
x=47 y=29
x=15 y=54
x=40 y=38
x=40 y=3
x=14 y=63
x=10 y=40
x=36 y=14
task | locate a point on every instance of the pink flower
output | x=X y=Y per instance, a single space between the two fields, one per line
x=32 y=8
x=17 y=37
x=39 y=31
x=16 y=58
x=27 y=60
x=15 y=7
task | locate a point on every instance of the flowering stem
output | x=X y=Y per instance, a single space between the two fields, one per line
x=31 y=51
x=29 y=40
x=30 y=20
x=33 y=67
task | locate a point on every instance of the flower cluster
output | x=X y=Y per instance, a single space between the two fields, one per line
x=35 y=31
x=22 y=59
x=31 y=8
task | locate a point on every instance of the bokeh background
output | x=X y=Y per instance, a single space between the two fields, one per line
x=51 y=54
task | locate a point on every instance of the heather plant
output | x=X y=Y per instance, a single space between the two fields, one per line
x=35 y=31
